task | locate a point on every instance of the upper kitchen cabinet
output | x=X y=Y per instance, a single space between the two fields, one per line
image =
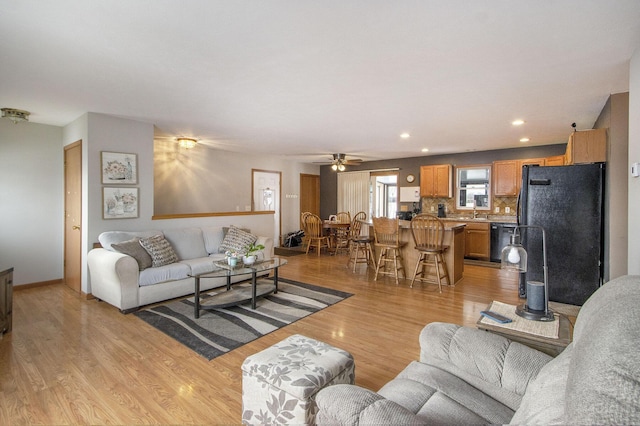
x=587 y=146
x=436 y=181
x=556 y=160
x=507 y=175
x=505 y=178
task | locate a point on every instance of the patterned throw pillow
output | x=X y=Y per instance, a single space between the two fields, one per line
x=237 y=240
x=134 y=249
x=160 y=250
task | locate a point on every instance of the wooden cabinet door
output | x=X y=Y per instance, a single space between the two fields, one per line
x=505 y=178
x=442 y=175
x=477 y=241
x=427 y=178
x=589 y=146
x=556 y=160
x=435 y=181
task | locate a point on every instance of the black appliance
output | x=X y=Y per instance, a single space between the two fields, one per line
x=568 y=202
x=500 y=237
x=442 y=210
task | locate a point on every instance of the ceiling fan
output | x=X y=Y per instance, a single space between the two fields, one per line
x=340 y=161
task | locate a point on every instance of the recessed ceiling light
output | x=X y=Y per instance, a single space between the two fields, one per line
x=405 y=135
x=517 y=122
x=525 y=140
x=425 y=149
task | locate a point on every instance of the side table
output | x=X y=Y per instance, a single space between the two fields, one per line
x=547 y=345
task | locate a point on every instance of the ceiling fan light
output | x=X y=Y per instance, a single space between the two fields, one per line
x=341 y=167
x=334 y=167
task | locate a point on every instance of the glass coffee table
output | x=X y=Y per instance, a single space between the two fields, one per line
x=239 y=294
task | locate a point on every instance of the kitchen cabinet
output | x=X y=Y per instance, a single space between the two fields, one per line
x=436 y=181
x=477 y=240
x=556 y=160
x=507 y=175
x=587 y=146
x=505 y=178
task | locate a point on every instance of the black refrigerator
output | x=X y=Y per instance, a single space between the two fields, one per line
x=568 y=202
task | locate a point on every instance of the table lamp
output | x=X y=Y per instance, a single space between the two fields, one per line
x=514 y=258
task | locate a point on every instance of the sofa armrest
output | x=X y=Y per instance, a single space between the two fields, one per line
x=492 y=363
x=267 y=242
x=114 y=278
x=353 y=405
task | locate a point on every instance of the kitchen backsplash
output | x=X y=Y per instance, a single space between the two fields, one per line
x=430 y=205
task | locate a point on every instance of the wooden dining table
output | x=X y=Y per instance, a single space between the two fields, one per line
x=331 y=227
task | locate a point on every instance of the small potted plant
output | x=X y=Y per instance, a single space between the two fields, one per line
x=232 y=257
x=252 y=250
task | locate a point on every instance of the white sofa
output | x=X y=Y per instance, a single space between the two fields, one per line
x=117 y=278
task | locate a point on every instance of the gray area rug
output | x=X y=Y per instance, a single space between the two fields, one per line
x=221 y=330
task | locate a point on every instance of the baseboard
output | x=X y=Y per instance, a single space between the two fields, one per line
x=38 y=284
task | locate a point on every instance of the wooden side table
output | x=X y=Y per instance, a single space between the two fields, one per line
x=547 y=345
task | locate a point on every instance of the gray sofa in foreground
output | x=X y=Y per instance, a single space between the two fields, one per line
x=469 y=376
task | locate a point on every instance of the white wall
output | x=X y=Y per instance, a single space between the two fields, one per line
x=634 y=156
x=32 y=191
x=31 y=201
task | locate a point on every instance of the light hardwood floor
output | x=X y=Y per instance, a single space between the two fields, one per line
x=75 y=361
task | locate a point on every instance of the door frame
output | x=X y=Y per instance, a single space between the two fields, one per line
x=78 y=255
x=278 y=206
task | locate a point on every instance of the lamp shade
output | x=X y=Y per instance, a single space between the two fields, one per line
x=514 y=257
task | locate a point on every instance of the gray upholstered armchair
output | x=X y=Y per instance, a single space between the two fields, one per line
x=469 y=376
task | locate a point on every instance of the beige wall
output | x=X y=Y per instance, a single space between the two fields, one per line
x=615 y=118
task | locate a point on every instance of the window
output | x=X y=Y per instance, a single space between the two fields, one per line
x=473 y=188
x=384 y=194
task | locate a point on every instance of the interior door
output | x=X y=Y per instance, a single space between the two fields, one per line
x=309 y=194
x=73 y=215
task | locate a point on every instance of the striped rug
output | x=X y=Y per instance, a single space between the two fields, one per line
x=219 y=331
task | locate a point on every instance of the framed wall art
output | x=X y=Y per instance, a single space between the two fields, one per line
x=119 y=203
x=119 y=168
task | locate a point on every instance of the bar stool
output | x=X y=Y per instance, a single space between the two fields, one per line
x=360 y=250
x=428 y=235
x=387 y=238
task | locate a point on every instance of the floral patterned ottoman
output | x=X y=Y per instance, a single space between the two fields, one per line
x=280 y=383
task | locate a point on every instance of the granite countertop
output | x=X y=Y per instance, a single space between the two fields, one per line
x=481 y=218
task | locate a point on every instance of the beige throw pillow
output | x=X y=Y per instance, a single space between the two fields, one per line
x=160 y=250
x=237 y=240
x=134 y=249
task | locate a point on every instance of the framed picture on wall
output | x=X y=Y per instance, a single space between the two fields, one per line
x=119 y=168
x=119 y=203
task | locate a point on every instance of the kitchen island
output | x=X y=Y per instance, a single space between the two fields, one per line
x=454 y=257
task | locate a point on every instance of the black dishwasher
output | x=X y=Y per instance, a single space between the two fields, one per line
x=500 y=236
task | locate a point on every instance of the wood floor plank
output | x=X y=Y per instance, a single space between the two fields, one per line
x=70 y=360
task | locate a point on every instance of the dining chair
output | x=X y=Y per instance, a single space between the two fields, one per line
x=360 y=250
x=303 y=219
x=386 y=233
x=341 y=235
x=428 y=236
x=315 y=233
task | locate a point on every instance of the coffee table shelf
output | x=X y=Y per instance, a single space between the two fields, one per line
x=240 y=293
